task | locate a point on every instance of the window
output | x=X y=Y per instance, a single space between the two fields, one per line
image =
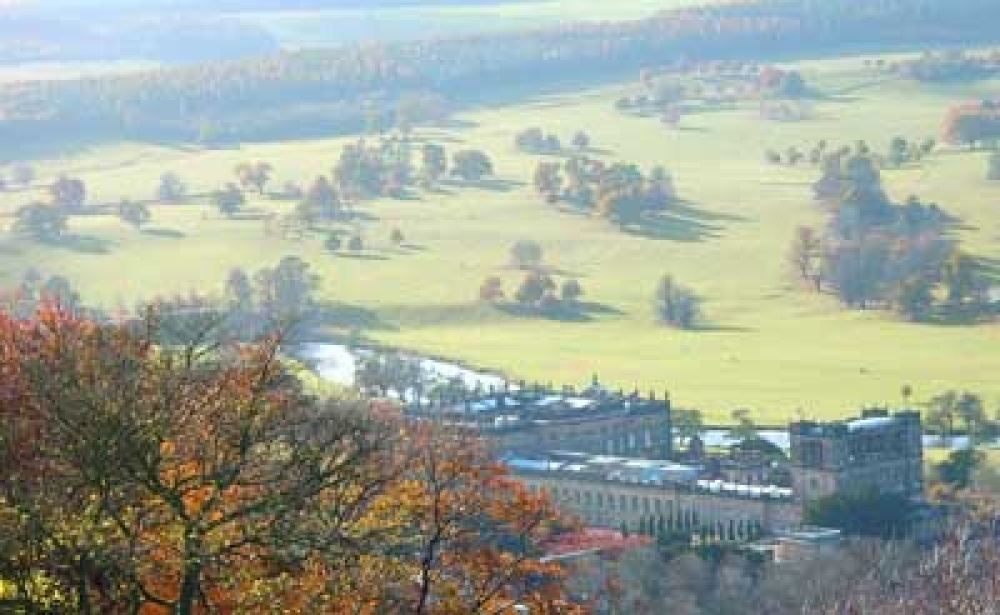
x=635 y=503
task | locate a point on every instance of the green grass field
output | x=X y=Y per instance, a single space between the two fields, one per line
x=767 y=345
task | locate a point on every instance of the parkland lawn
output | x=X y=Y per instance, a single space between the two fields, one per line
x=767 y=344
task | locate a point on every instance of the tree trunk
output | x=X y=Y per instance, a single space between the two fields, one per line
x=189 y=589
x=191 y=578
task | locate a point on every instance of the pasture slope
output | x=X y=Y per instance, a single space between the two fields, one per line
x=767 y=344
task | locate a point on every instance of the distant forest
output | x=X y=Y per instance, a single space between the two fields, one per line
x=323 y=92
x=105 y=35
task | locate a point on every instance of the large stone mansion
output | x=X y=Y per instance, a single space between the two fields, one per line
x=608 y=458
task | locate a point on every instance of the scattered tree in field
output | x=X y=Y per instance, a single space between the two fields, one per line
x=434 y=164
x=254 y=175
x=571 y=291
x=619 y=192
x=291 y=191
x=913 y=298
x=286 y=291
x=676 y=305
x=229 y=199
x=171 y=188
x=384 y=374
x=320 y=202
x=581 y=141
x=534 y=288
x=526 y=254
x=805 y=256
x=383 y=169
x=22 y=175
x=133 y=213
x=333 y=243
x=68 y=193
x=39 y=221
x=875 y=253
x=471 y=165
x=397 y=238
x=899 y=152
x=238 y=293
x=491 y=290
x=974 y=125
x=993 y=169
x=534 y=141
x=547 y=180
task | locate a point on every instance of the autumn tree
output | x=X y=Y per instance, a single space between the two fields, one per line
x=171 y=189
x=254 y=175
x=491 y=290
x=168 y=479
x=133 y=213
x=198 y=477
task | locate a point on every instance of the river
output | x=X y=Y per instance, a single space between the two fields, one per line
x=337 y=363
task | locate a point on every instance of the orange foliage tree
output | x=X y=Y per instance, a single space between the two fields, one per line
x=194 y=476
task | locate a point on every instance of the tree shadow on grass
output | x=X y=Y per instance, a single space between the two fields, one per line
x=363 y=256
x=164 y=233
x=682 y=222
x=487 y=183
x=711 y=327
x=577 y=311
x=84 y=244
x=352 y=317
x=250 y=214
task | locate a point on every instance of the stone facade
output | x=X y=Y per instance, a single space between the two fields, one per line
x=592 y=421
x=878 y=451
x=610 y=503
